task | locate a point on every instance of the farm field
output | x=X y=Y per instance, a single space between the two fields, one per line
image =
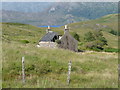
x=48 y=68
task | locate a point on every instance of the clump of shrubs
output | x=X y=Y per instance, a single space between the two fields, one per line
x=89 y=37
x=76 y=36
x=95 y=40
x=108 y=49
x=117 y=33
x=24 y=41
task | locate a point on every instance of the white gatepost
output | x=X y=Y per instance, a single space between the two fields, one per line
x=69 y=71
x=23 y=70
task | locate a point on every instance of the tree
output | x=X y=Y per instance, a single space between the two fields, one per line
x=89 y=37
x=99 y=36
x=95 y=40
x=113 y=32
x=76 y=36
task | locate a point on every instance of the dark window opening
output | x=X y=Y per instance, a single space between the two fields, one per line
x=55 y=38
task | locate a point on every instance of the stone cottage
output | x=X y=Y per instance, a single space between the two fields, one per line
x=48 y=40
x=66 y=41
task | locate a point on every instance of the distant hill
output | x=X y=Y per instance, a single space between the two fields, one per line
x=28 y=7
x=56 y=13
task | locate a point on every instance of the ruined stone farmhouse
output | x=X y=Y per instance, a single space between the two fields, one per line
x=53 y=39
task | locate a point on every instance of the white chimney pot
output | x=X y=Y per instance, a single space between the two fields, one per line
x=48 y=27
x=65 y=26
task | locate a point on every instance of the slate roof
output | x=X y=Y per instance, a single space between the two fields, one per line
x=49 y=36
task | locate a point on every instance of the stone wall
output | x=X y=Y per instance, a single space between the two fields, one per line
x=47 y=44
x=68 y=42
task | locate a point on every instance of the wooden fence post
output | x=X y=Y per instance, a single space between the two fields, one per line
x=23 y=70
x=69 y=71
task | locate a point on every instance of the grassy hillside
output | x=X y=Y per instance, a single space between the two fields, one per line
x=105 y=24
x=46 y=68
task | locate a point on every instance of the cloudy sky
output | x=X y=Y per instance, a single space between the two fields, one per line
x=60 y=0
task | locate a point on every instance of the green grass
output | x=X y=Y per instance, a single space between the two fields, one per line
x=47 y=68
x=111 y=39
x=105 y=23
x=111 y=50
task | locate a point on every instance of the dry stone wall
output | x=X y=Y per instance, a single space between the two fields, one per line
x=47 y=44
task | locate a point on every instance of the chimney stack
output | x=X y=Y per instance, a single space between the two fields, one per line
x=66 y=28
x=48 y=29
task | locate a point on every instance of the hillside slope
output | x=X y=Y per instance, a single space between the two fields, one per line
x=105 y=24
x=47 y=68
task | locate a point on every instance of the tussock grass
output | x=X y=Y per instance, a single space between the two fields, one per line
x=48 y=67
